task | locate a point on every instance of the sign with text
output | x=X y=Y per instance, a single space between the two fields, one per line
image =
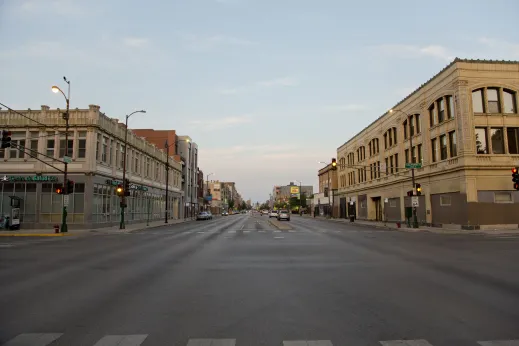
x=132 y=186
x=35 y=178
x=413 y=165
x=414 y=201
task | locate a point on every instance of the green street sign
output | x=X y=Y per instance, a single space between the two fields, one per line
x=67 y=159
x=413 y=165
x=35 y=178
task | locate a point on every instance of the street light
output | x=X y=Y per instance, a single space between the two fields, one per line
x=300 y=196
x=123 y=197
x=207 y=182
x=415 y=219
x=167 y=146
x=55 y=89
x=328 y=184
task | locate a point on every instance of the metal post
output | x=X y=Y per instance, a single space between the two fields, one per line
x=123 y=197
x=415 y=219
x=64 y=226
x=329 y=190
x=167 y=178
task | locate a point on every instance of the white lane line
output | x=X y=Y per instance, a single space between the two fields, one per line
x=211 y=342
x=261 y=231
x=308 y=343
x=279 y=237
x=277 y=231
x=122 y=340
x=33 y=339
x=246 y=231
x=499 y=343
x=232 y=232
x=200 y=232
x=291 y=231
x=420 y=342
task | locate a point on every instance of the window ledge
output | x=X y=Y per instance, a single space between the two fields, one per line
x=442 y=123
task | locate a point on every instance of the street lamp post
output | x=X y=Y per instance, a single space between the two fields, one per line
x=415 y=218
x=123 y=197
x=55 y=89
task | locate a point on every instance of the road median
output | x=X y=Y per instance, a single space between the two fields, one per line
x=280 y=225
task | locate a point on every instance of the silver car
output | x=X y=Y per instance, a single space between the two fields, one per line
x=283 y=215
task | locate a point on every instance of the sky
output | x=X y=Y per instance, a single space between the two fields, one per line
x=266 y=88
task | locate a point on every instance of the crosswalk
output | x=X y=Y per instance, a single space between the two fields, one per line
x=46 y=339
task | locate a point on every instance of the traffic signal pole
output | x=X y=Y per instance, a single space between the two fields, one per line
x=64 y=226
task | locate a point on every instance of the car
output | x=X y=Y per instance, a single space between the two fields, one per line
x=284 y=215
x=273 y=213
x=203 y=215
x=225 y=213
x=209 y=215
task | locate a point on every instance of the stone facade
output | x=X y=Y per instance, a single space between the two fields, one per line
x=464 y=126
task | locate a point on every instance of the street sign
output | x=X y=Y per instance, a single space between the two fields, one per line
x=414 y=201
x=413 y=165
x=67 y=159
x=65 y=200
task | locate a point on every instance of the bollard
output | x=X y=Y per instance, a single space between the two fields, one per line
x=56 y=228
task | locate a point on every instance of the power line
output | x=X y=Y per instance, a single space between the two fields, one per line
x=25 y=116
x=22 y=149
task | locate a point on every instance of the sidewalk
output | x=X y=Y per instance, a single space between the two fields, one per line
x=81 y=232
x=405 y=228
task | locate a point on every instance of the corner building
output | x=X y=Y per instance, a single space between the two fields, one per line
x=96 y=151
x=464 y=125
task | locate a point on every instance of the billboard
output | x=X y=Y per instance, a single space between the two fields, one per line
x=294 y=191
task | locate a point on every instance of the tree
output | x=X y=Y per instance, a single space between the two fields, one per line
x=231 y=204
x=243 y=205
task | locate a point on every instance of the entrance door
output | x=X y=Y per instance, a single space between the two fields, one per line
x=378 y=208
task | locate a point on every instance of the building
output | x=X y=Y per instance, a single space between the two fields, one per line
x=96 y=153
x=290 y=190
x=464 y=128
x=218 y=202
x=202 y=204
x=188 y=152
x=323 y=201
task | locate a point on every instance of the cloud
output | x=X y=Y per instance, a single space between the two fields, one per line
x=500 y=49
x=286 y=81
x=413 y=51
x=205 y=43
x=135 y=42
x=345 y=108
x=217 y=124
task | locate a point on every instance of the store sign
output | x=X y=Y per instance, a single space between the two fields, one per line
x=132 y=186
x=35 y=178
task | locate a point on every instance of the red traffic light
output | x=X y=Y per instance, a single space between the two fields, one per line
x=514 y=170
x=59 y=190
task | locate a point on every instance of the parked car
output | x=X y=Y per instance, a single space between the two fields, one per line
x=283 y=214
x=210 y=216
x=202 y=216
x=273 y=213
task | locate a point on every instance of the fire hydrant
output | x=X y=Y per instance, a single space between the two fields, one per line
x=56 y=228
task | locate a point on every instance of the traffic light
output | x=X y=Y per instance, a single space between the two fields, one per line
x=119 y=190
x=70 y=187
x=410 y=193
x=6 y=139
x=334 y=163
x=59 y=189
x=515 y=177
x=418 y=189
x=127 y=187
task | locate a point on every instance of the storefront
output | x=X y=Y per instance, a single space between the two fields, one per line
x=93 y=203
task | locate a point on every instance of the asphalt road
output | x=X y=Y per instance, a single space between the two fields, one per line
x=236 y=280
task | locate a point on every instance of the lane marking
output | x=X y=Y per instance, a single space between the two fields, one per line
x=200 y=232
x=122 y=340
x=291 y=231
x=420 y=342
x=308 y=343
x=246 y=231
x=211 y=342
x=499 y=343
x=232 y=232
x=33 y=339
x=279 y=237
x=261 y=231
x=277 y=231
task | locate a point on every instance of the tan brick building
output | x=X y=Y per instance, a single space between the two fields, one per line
x=464 y=124
x=323 y=201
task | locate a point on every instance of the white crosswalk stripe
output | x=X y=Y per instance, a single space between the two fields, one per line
x=308 y=343
x=211 y=342
x=420 y=342
x=122 y=340
x=33 y=339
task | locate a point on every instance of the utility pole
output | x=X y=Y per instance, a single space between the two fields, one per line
x=55 y=89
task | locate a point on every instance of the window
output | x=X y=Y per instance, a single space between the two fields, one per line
x=445 y=201
x=98 y=147
x=147 y=167
x=136 y=169
x=392 y=202
x=413 y=155
x=407 y=156
x=370 y=153
x=66 y=148
x=497 y=138
x=387 y=166
x=385 y=140
x=81 y=144
x=441 y=110
x=509 y=102
x=50 y=144
x=452 y=144
x=481 y=140
x=378 y=148
x=394 y=135
x=121 y=148
x=503 y=197
x=390 y=136
x=391 y=164
x=493 y=100
x=432 y=115
x=477 y=101
x=418 y=123
x=434 y=154
x=513 y=140
x=450 y=107
x=411 y=126
x=104 y=152
x=420 y=158
x=396 y=162
x=17 y=145
x=405 y=129
x=443 y=147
